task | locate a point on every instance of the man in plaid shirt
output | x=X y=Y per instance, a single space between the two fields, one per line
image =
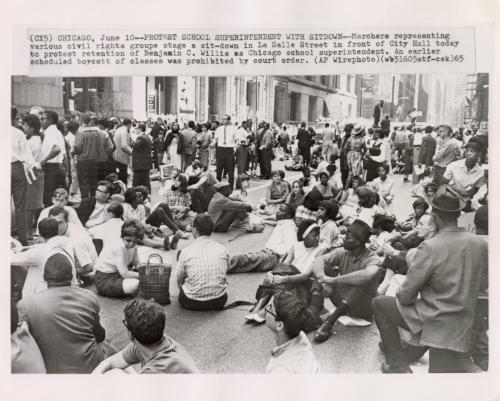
x=202 y=269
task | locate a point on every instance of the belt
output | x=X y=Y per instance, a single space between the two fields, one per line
x=53 y=164
x=226 y=147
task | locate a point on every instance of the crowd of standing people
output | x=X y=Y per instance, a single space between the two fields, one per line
x=81 y=192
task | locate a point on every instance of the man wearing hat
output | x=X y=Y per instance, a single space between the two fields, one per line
x=349 y=277
x=225 y=211
x=446 y=272
x=64 y=321
x=465 y=176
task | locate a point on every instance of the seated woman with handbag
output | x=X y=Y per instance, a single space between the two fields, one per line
x=113 y=277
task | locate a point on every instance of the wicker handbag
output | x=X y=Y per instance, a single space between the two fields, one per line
x=154 y=280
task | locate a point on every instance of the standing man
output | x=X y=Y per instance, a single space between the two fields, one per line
x=447 y=151
x=385 y=125
x=188 y=136
x=53 y=149
x=377 y=111
x=142 y=161
x=225 y=137
x=123 y=151
x=327 y=149
x=91 y=145
x=266 y=152
x=428 y=148
x=304 y=143
x=18 y=183
x=446 y=272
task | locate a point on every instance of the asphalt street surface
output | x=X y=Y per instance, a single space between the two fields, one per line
x=222 y=342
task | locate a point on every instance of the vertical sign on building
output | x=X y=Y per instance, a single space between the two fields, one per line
x=151 y=102
x=186 y=98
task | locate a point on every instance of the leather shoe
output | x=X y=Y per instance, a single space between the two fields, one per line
x=386 y=368
x=322 y=334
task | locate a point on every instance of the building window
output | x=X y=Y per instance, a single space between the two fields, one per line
x=349 y=78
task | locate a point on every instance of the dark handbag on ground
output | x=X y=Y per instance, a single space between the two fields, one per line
x=154 y=280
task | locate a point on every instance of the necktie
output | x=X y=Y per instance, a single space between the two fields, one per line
x=224 y=135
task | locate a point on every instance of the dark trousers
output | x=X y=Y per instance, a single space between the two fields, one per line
x=18 y=189
x=141 y=177
x=210 y=304
x=266 y=157
x=187 y=160
x=389 y=320
x=87 y=177
x=105 y=168
x=200 y=200
x=162 y=215
x=54 y=177
x=225 y=161
x=222 y=225
x=305 y=151
x=122 y=172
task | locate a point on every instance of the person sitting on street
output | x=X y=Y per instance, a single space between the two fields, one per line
x=308 y=180
x=325 y=188
x=349 y=202
x=113 y=277
x=294 y=273
x=92 y=210
x=64 y=321
x=329 y=235
x=203 y=189
x=224 y=211
x=60 y=198
x=202 y=269
x=296 y=196
x=150 y=346
x=277 y=246
x=178 y=200
x=437 y=300
x=34 y=259
x=85 y=252
x=349 y=277
x=384 y=186
x=297 y=161
x=309 y=209
x=286 y=316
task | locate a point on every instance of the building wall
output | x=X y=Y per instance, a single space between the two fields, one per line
x=45 y=92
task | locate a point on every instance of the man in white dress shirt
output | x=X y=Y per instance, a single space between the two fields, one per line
x=225 y=137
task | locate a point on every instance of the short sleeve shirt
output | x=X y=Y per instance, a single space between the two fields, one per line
x=115 y=254
x=52 y=136
x=166 y=357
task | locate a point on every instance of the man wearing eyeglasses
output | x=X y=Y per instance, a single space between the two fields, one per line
x=293 y=352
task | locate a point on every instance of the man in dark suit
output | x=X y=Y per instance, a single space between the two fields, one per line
x=141 y=159
x=304 y=140
x=377 y=111
x=428 y=148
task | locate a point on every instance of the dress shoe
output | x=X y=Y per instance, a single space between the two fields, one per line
x=386 y=368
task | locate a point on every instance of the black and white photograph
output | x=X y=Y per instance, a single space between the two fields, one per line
x=250 y=224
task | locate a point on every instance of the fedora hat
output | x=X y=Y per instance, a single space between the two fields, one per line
x=447 y=203
x=357 y=129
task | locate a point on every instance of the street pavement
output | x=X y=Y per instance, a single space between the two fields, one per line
x=222 y=342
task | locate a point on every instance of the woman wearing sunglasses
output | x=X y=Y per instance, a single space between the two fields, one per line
x=113 y=277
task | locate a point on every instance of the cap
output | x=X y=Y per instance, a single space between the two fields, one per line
x=360 y=230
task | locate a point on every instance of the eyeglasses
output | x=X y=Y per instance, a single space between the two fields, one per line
x=102 y=192
x=268 y=310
